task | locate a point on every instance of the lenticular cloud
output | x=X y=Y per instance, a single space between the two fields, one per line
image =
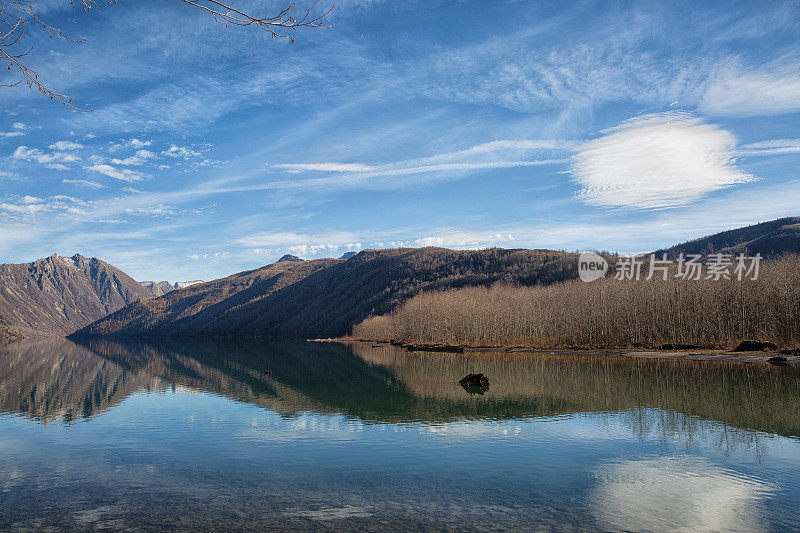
x=656 y=162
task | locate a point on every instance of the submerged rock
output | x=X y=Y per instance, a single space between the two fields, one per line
x=755 y=346
x=474 y=380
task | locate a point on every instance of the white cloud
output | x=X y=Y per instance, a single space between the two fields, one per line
x=18 y=126
x=773 y=147
x=139 y=158
x=181 y=151
x=656 y=162
x=452 y=238
x=66 y=145
x=84 y=183
x=54 y=160
x=9 y=175
x=304 y=245
x=745 y=94
x=7 y=134
x=134 y=143
x=26 y=206
x=326 y=167
x=122 y=174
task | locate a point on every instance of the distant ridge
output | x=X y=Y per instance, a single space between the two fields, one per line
x=160 y=288
x=770 y=239
x=289 y=257
x=57 y=295
x=347 y=255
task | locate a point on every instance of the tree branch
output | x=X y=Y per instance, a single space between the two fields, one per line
x=15 y=14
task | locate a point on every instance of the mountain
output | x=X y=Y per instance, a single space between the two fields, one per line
x=160 y=288
x=770 y=239
x=57 y=295
x=326 y=297
x=289 y=257
x=347 y=255
x=184 y=284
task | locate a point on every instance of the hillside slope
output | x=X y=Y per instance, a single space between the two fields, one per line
x=326 y=297
x=770 y=239
x=57 y=295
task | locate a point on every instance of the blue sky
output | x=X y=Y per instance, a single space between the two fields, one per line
x=210 y=150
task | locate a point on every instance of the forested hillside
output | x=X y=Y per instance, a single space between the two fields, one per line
x=327 y=297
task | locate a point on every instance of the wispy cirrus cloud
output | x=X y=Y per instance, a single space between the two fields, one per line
x=121 y=174
x=773 y=147
x=326 y=167
x=84 y=183
x=766 y=91
x=655 y=162
x=450 y=165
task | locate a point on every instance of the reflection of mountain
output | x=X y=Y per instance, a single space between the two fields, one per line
x=58 y=380
x=389 y=385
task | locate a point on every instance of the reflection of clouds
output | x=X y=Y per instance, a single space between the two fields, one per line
x=304 y=427
x=678 y=494
x=473 y=429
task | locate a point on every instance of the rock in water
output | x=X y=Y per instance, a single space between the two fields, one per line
x=755 y=346
x=474 y=380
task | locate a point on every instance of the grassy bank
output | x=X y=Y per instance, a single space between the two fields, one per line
x=605 y=313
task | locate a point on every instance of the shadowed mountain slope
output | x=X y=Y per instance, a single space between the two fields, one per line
x=57 y=295
x=327 y=297
x=770 y=239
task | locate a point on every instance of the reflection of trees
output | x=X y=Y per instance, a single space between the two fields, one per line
x=667 y=400
x=746 y=396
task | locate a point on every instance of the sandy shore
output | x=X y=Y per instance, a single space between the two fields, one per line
x=791 y=356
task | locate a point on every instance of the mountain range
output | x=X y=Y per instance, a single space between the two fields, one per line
x=326 y=297
x=58 y=296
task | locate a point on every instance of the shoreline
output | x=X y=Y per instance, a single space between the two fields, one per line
x=699 y=354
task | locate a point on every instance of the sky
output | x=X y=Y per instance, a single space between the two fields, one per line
x=205 y=150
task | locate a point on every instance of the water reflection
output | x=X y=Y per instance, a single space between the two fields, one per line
x=678 y=494
x=144 y=434
x=60 y=380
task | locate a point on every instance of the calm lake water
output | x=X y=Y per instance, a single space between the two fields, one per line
x=194 y=435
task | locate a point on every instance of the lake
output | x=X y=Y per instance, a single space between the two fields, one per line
x=191 y=435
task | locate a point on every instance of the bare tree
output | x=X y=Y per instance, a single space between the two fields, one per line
x=605 y=313
x=17 y=16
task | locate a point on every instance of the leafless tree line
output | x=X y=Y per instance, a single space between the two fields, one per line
x=605 y=313
x=17 y=16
